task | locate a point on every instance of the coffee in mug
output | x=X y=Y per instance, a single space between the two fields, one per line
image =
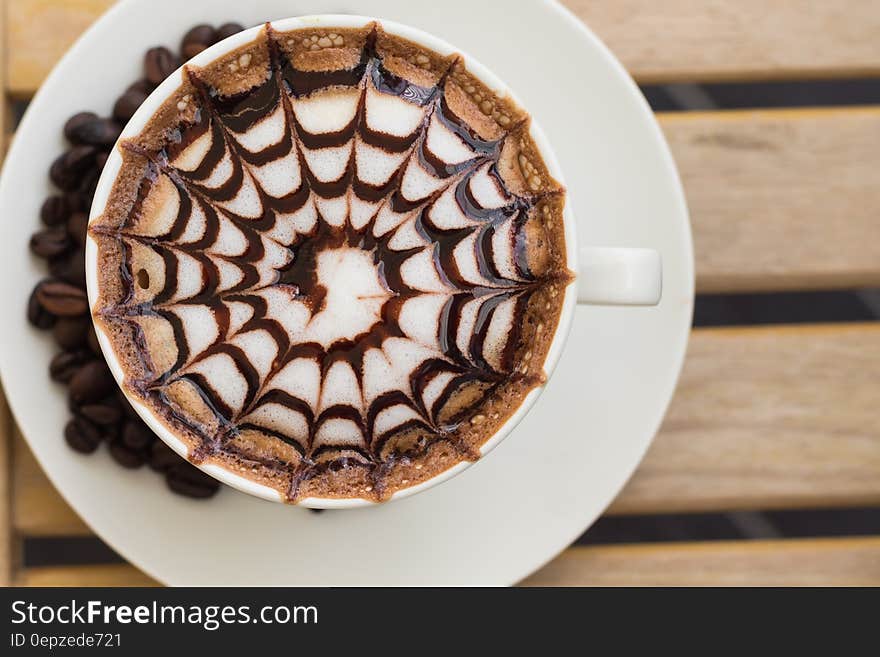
x=333 y=262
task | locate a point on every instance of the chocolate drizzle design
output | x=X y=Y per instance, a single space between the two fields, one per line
x=335 y=296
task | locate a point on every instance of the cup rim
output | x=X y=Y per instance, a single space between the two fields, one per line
x=146 y=111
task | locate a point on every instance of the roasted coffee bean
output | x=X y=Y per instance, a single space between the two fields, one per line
x=70 y=267
x=77 y=226
x=111 y=433
x=142 y=86
x=162 y=457
x=137 y=436
x=50 y=242
x=101 y=414
x=91 y=383
x=228 y=29
x=127 y=410
x=159 y=63
x=62 y=299
x=92 y=341
x=66 y=363
x=127 y=458
x=127 y=104
x=82 y=435
x=80 y=158
x=71 y=169
x=101 y=161
x=196 y=40
x=65 y=178
x=70 y=332
x=74 y=122
x=77 y=202
x=55 y=210
x=185 y=479
x=99 y=132
x=88 y=184
x=36 y=314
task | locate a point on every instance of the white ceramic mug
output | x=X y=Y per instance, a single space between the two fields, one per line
x=616 y=276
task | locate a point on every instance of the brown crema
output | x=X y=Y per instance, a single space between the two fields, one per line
x=333 y=262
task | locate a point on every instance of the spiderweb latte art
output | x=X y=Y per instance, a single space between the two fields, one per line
x=333 y=262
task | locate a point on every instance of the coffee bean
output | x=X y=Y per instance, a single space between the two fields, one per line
x=137 y=436
x=159 y=63
x=101 y=414
x=66 y=363
x=228 y=29
x=196 y=40
x=88 y=184
x=62 y=299
x=111 y=432
x=162 y=457
x=80 y=158
x=127 y=104
x=92 y=341
x=66 y=179
x=77 y=226
x=36 y=314
x=91 y=383
x=77 y=202
x=73 y=171
x=55 y=210
x=74 y=122
x=142 y=86
x=101 y=161
x=185 y=479
x=98 y=132
x=127 y=458
x=126 y=407
x=70 y=332
x=50 y=242
x=82 y=435
x=70 y=267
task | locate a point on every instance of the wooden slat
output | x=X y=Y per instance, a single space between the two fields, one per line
x=772 y=417
x=785 y=199
x=802 y=562
x=5 y=122
x=103 y=575
x=657 y=42
x=40 y=32
x=678 y=40
x=782 y=417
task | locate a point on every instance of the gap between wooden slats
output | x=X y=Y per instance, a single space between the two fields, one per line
x=675 y=40
x=764 y=418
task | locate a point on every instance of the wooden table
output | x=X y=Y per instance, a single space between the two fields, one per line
x=780 y=417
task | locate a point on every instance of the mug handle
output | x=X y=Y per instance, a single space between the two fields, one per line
x=619 y=276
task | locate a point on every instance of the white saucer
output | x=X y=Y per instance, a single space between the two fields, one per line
x=526 y=501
